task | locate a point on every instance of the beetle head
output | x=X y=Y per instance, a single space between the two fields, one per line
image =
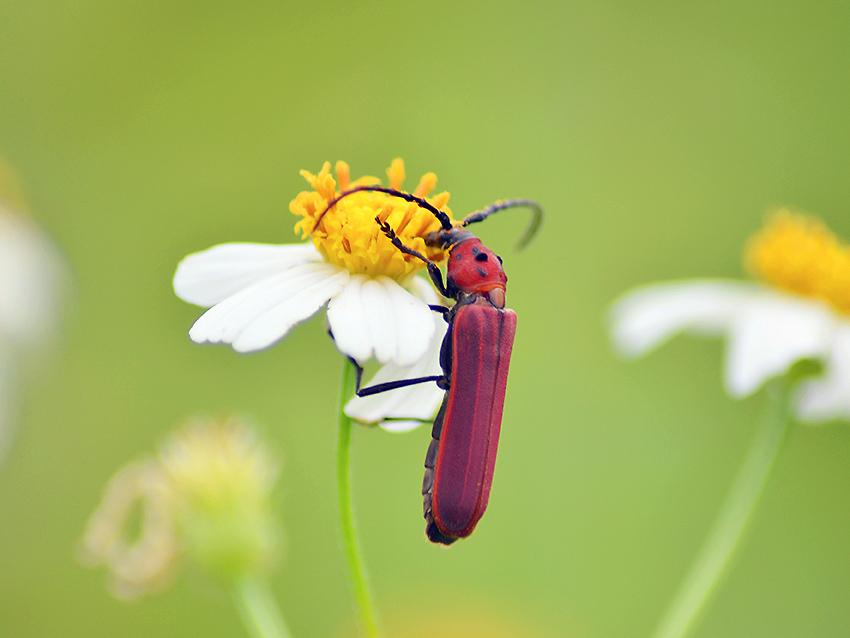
x=475 y=269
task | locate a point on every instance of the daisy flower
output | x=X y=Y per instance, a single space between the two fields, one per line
x=797 y=308
x=376 y=307
x=32 y=278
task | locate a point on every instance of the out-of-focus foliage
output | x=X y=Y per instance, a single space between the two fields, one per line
x=655 y=135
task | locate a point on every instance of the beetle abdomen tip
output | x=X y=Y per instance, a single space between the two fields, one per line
x=436 y=536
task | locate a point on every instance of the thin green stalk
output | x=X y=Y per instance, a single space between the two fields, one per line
x=258 y=609
x=352 y=551
x=716 y=553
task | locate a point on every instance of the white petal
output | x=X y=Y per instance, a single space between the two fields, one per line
x=414 y=402
x=646 y=317
x=415 y=323
x=32 y=278
x=425 y=291
x=211 y=276
x=377 y=318
x=772 y=331
x=828 y=396
x=399 y=427
x=263 y=313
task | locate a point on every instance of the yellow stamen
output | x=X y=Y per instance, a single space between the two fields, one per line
x=799 y=253
x=348 y=235
x=343 y=175
x=426 y=185
x=440 y=200
x=395 y=173
x=409 y=214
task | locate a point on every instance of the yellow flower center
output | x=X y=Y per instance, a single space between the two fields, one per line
x=348 y=235
x=799 y=253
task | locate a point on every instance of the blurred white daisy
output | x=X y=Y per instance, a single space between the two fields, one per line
x=377 y=307
x=32 y=277
x=800 y=311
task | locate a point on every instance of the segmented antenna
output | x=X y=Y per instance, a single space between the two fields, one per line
x=422 y=203
x=445 y=222
x=533 y=226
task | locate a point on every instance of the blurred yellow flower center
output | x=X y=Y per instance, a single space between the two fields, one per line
x=214 y=465
x=348 y=235
x=799 y=253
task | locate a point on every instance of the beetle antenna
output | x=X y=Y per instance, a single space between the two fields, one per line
x=422 y=203
x=433 y=269
x=533 y=226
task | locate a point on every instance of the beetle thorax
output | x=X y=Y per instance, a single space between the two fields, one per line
x=475 y=269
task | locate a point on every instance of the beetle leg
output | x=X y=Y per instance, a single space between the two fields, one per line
x=390 y=385
x=433 y=269
x=393 y=385
x=437 y=279
x=441 y=309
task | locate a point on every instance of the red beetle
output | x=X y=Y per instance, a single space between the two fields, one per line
x=475 y=355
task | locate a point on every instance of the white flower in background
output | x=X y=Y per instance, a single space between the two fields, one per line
x=377 y=308
x=801 y=311
x=207 y=496
x=32 y=277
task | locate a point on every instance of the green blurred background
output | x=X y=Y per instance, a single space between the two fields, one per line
x=656 y=135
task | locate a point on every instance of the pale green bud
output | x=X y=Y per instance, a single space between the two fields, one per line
x=221 y=479
x=207 y=497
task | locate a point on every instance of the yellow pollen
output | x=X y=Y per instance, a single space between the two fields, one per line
x=799 y=253
x=348 y=234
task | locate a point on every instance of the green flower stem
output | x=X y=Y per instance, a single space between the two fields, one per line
x=716 y=553
x=352 y=551
x=258 y=610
